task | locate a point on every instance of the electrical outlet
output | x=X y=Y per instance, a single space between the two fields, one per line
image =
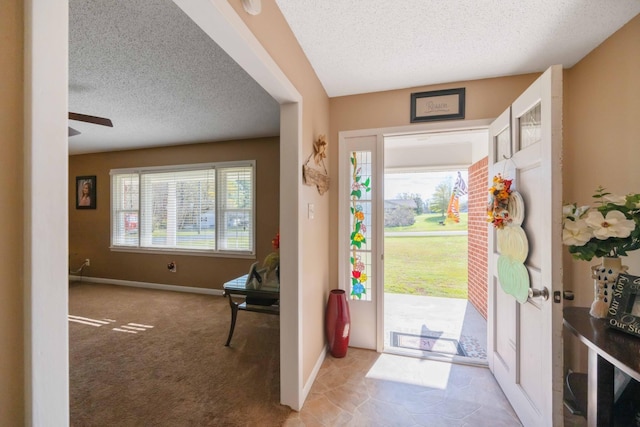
x=87 y=262
x=172 y=267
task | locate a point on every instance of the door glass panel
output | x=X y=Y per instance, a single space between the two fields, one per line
x=502 y=143
x=360 y=210
x=530 y=127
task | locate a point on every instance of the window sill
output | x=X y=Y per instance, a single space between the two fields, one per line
x=187 y=252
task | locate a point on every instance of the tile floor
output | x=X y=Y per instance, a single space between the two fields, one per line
x=448 y=318
x=370 y=389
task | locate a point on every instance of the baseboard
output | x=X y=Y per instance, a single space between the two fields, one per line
x=314 y=373
x=148 y=285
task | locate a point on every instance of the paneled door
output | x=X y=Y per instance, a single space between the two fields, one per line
x=525 y=339
x=359 y=225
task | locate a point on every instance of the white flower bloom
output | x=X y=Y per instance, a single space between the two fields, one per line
x=615 y=199
x=576 y=233
x=615 y=224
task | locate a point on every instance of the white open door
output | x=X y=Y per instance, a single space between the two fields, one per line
x=525 y=340
x=359 y=225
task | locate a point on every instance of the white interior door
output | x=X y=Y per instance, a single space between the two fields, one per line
x=360 y=249
x=525 y=340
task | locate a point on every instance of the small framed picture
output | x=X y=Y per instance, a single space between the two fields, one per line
x=437 y=105
x=86 y=192
x=624 y=311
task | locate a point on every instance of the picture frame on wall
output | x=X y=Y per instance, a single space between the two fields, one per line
x=436 y=105
x=86 y=192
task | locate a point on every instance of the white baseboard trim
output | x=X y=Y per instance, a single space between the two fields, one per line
x=148 y=285
x=314 y=373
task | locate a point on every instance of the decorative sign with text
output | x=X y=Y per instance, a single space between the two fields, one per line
x=447 y=104
x=624 y=311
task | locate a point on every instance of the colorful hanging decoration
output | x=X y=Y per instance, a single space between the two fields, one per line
x=506 y=213
x=357 y=238
x=459 y=189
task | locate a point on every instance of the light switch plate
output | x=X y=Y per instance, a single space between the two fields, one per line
x=311 y=211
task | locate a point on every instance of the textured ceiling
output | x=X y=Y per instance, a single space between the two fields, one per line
x=159 y=78
x=147 y=66
x=376 y=45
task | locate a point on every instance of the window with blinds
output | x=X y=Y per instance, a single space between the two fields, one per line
x=208 y=208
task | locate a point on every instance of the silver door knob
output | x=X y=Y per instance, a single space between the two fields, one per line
x=539 y=293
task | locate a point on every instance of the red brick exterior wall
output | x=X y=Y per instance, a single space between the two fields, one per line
x=478 y=231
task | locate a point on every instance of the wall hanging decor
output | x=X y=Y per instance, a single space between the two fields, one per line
x=506 y=213
x=315 y=177
x=86 y=192
x=607 y=230
x=447 y=104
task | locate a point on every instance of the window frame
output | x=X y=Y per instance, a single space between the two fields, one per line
x=216 y=166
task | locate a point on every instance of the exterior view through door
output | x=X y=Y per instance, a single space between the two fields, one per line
x=431 y=309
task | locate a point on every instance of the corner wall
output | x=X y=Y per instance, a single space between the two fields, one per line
x=89 y=230
x=12 y=325
x=478 y=232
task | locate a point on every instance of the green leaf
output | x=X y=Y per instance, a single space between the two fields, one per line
x=353 y=160
x=367 y=182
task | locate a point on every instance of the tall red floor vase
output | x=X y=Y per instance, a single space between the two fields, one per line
x=337 y=323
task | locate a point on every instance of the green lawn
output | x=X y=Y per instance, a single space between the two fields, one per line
x=429 y=222
x=426 y=265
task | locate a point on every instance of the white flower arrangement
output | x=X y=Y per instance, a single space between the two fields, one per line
x=610 y=229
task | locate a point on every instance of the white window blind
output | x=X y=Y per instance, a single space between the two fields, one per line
x=207 y=208
x=125 y=213
x=236 y=208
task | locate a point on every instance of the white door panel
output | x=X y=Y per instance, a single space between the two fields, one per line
x=525 y=340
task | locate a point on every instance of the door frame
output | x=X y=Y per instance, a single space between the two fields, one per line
x=380 y=134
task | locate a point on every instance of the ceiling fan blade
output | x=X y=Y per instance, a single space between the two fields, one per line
x=90 y=119
x=73 y=132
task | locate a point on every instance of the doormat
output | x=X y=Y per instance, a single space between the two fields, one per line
x=434 y=344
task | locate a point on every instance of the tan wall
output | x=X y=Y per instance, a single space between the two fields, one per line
x=602 y=138
x=12 y=404
x=89 y=230
x=273 y=32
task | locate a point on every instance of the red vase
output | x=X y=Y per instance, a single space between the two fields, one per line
x=337 y=323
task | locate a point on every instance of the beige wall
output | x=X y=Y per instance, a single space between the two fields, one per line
x=602 y=138
x=89 y=230
x=12 y=405
x=274 y=34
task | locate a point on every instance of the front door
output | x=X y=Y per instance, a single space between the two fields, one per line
x=525 y=339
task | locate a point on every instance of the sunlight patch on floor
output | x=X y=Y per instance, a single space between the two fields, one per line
x=426 y=373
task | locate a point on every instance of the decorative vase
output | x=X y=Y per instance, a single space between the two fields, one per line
x=337 y=323
x=604 y=277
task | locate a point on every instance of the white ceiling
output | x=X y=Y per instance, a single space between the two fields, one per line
x=162 y=81
x=377 y=45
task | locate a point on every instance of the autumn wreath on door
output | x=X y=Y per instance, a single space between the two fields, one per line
x=506 y=213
